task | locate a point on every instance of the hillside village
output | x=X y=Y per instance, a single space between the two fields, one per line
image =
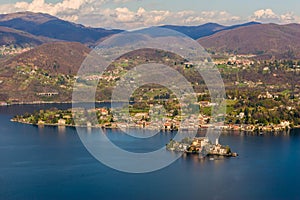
x=255 y=100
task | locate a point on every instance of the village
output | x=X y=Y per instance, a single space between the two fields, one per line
x=142 y=120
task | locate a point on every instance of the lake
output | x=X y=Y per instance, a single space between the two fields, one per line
x=52 y=163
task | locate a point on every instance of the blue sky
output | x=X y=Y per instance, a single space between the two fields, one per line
x=129 y=14
x=240 y=7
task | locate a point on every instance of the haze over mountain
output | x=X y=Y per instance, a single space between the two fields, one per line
x=53 y=28
x=33 y=29
x=264 y=40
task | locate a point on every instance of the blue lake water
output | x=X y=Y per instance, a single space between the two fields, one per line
x=52 y=163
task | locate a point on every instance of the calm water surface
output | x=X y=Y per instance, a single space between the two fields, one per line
x=52 y=163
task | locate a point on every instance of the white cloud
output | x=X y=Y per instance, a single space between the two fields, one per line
x=42 y=6
x=125 y=18
x=265 y=14
x=268 y=15
x=94 y=13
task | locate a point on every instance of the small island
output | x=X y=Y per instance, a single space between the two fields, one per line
x=200 y=145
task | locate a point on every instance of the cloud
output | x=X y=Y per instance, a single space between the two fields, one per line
x=268 y=16
x=93 y=13
x=42 y=6
x=125 y=18
x=109 y=14
x=265 y=14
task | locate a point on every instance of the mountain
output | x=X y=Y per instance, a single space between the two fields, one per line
x=46 y=69
x=45 y=25
x=208 y=29
x=263 y=40
x=240 y=25
x=9 y=36
x=46 y=72
x=196 y=32
x=55 y=57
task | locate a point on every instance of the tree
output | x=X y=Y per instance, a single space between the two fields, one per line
x=175 y=112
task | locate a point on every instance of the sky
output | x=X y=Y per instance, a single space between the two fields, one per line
x=132 y=14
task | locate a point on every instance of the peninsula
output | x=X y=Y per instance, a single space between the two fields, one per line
x=138 y=119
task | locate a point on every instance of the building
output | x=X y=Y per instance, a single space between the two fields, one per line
x=61 y=122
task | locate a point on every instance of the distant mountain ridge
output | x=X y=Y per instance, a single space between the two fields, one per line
x=37 y=18
x=53 y=28
x=264 y=40
x=204 y=30
x=45 y=25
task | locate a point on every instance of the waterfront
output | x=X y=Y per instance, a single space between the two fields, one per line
x=52 y=163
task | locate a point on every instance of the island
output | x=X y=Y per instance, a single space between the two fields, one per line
x=200 y=145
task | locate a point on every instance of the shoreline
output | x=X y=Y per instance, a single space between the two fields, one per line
x=138 y=128
x=226 y=128
x=54 y=102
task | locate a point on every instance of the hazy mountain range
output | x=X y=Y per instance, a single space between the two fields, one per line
x=208 y=29
x=265 y=40
x=47 y=26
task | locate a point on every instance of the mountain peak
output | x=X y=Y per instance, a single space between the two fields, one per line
x=45 y=25
x=207 y=29
x=38 y=18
